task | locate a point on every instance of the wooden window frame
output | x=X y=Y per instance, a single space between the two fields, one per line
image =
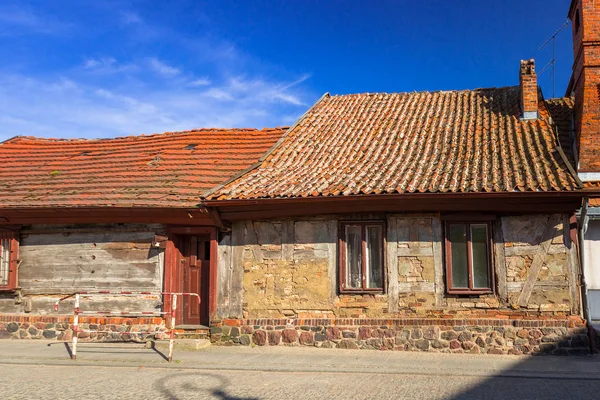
x=342 y=257
x=13 y=262
x=448 y=259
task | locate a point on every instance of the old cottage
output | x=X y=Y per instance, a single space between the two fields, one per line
x=435 y=221
x=118 y=215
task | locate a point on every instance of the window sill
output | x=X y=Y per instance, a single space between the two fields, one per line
x=362 y=291
x=470 y=292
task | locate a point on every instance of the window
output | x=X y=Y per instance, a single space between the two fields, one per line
x=468 y=257
x=361 y=257
x=8 y=260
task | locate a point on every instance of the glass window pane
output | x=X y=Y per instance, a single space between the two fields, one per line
x=4 y=261
x=479 y=256
x=353 y=257
x=374 y=257
x=457 y=235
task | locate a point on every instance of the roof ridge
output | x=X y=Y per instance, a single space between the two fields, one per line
x=142 y=136
x=426 y=91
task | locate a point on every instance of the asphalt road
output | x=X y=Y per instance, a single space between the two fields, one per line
x=22 y=381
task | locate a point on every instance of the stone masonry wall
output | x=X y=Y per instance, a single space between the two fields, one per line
x=61 y=328
x=485 y=336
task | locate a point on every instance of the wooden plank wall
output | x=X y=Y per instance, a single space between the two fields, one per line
x=56 y=260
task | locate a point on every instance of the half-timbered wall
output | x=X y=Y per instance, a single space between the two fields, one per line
x=289 y=269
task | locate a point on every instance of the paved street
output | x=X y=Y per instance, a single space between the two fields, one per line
x=108 y=371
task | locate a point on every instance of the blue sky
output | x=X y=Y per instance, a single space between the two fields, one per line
x=103 y=68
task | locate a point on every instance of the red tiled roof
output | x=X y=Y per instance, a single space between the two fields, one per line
x=561 y=112
x=451 y=141
x=162 y=170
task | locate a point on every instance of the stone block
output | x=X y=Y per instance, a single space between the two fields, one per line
x=320 y=337
x=480 y=342
x=431 y=332
x=306 y=339
x=274 y=337
x=333 y=333
x=454 y=344
x=449 y=335
x=364 y=333
x=467 y=345
x=416 y=333
x=349 y=334
x=12 y=327
x=535 y=333
x=50 y=334
x=347 y=344
x=289 y=336
x=259 y=338
x=465 y=337
x=245 y=340
x=523 y=333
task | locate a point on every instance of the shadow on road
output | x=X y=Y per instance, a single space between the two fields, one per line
x=195 y=385
x=543 y=376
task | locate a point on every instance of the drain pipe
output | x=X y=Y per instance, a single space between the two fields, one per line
x=583 y=227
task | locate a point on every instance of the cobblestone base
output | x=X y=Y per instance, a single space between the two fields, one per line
x=560 y=337
x=61 y=328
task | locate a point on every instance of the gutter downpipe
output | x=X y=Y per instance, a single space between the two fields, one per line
x=583 y=227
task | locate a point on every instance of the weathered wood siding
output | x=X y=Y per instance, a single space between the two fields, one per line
x=61 y=260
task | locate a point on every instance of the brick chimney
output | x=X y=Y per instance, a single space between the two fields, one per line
x=529 y=89
x=585 y=86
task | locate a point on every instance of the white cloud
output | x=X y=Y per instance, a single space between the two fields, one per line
x=19 y=20
x=130 y=17
x=152 y=94
x=66 y=107
x=162 y=68
x=200 y=82
x=219 y=94
x=107 y=65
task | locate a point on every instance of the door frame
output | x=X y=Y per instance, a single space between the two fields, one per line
x=172 y=254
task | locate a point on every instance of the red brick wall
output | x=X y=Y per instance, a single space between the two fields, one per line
x=586 y=78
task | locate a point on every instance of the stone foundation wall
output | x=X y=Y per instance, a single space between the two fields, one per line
x=476 y=336
x=61 y=328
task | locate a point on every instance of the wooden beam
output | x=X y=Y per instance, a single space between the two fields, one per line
x=495 y=206
x=573 y=264
x=392 y=264
x=212 y=291
x=438 y=261
x=500 y=261
x=216 y=217
x=539 y=259
x=70 y=216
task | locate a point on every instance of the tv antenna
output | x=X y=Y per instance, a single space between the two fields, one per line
x=553 y=61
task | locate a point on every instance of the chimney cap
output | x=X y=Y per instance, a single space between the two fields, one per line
x=528 y=67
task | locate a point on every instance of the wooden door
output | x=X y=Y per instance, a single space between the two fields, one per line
x=195 y=267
